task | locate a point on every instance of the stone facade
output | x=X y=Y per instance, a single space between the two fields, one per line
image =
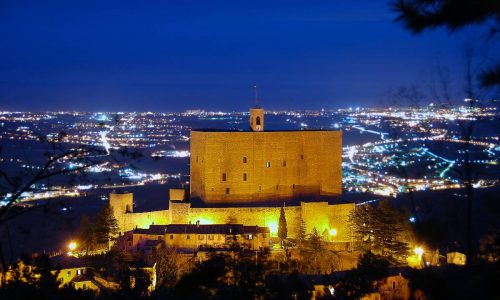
x=256 y=119
x=235 y=167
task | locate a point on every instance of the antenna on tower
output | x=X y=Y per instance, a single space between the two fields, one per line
x=256 y=89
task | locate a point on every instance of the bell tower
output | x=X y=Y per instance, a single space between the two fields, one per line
x=256 y=114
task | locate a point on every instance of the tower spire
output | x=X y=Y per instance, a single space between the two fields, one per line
x=256 y=90
x=256 y=113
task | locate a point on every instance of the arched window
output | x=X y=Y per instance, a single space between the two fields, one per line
x=257 y=122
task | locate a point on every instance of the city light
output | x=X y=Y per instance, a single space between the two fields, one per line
x=333 y=232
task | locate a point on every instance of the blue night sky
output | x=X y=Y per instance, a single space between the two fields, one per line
x=176 y=55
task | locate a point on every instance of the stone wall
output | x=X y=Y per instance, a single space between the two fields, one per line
x=250 y=216
x=331 y=221
x=129 y=221
x=265 y=166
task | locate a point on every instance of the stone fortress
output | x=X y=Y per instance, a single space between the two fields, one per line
x=245 y=177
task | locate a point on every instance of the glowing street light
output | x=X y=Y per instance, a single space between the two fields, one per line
x=333 y=232
x=273 y=228
x=419 y=251
x=72 y=246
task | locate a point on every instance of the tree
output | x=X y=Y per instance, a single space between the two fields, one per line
x=87 y=235
x=418 y=15
x=106 y=227
x=63 y=160
x=140 y=281
x=314 y=241
x=362 y=280
x=13 y=186
x=32 y=277
x=301 y=232
x=489 y=245
x=238 y=275
x=170 y=266
x=311 y=252
x=282 y=230
x=384 y=229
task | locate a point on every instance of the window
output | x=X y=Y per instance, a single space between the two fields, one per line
x=284 y=163
x=211 y=237
x=227 y=191
x=187 y=237
x=212 y=189
x=201 y=237
x=159 y=237
x=171 y=236
x=224 y=177
x=293 y=186
x=78 y=272
x=302 y=156
x=196 y=158
x=264 y=235
x=244 y=159
x=68 y=273
x=268 y=164
x=250 y=236
x=260 y=188
x=244 y=176
x=277 y=187
x=257 y=122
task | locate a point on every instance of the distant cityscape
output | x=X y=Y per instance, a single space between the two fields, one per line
x=386 y=151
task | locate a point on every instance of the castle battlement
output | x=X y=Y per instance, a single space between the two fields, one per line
x=323 y=216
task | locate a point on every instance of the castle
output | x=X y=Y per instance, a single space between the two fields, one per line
x=245 y=177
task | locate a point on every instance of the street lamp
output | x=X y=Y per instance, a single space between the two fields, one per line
x=333 y=232
x=72 y=246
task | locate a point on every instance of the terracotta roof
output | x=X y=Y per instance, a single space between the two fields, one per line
x=152 y=243
x=82 y=278
x=67 y=262
x=202 y=229
x=259 y=132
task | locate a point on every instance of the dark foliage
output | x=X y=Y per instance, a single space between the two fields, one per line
x=479 y=281
x=361 y=280
x=384 y=229
x=282 y=229
x=106 y=228
x=418 y=15
x=430 y=233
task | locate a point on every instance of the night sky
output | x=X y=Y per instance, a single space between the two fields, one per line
x=176 y=55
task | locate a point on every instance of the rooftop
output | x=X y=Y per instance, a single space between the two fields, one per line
x=201 y=229
x=66 y=262
x=250 y=131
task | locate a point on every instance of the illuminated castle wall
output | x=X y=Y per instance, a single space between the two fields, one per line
x=265 y=165
x=320 y=215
